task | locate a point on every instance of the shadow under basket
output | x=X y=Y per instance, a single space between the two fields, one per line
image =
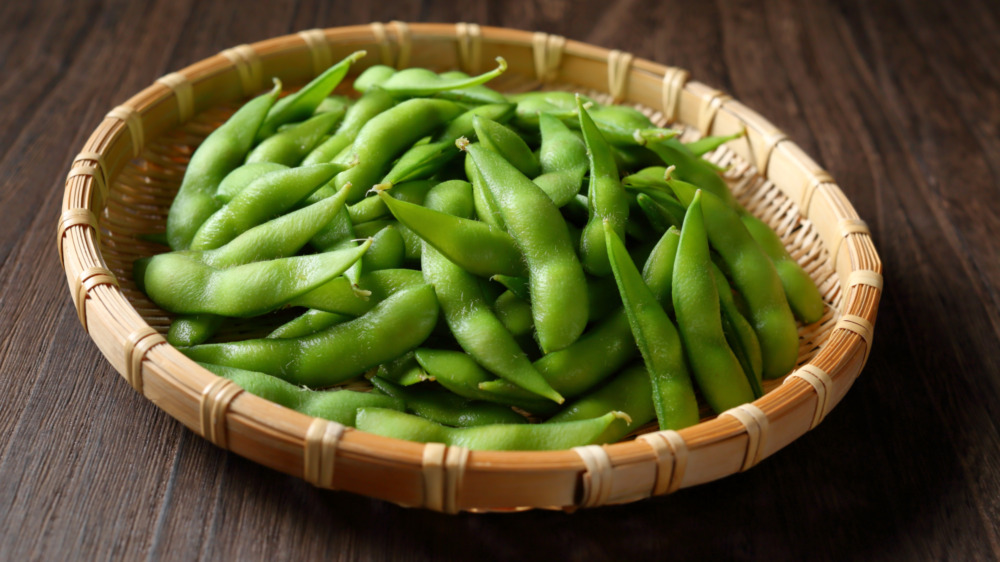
x=120 y=187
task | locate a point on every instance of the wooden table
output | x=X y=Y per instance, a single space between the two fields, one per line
x=900 y=101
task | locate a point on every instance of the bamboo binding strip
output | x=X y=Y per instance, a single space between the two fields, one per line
x=320 y=456
x=183 y=93
x=817 y=229
x=248 y=67
x=755 y=422
x=137 y=344
x=671 y=454
x=319 y=49
x=470 y=47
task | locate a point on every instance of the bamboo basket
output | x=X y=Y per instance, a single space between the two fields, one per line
x=121 y=184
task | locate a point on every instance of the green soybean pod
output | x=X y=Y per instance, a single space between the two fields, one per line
x=508 y=144
x=599 y=353
x=608 y=205
x=739 y=333
x=470 y=317
x=462 y=126
x=441 y=406
x=388 y=134
x=395 y=326
x=478 y=94
x=459 y=373
x=277 y=238
x=334 y=104
x=237 y=180
x=651 y=176
x=373 y=77
x=309 y=322
x=497 y=437
x=403 y=370
x=303 y=103
x=371 y=104
x=754 y=276
x=608 y=345
x=689 y=167
x=339 y=294
x=423 y=82
x=663 y=211
x=420 y=162
x=514 y=313
x=291 y=145
x=388 y=251
x=476 y=246
x=629 y=392
x=658 y=272
x=563 y=158
x=708 y=144
x=193 y=329
x=340 y=406
x=486 y=206
x=372 y=208
x=800 y=290
x=268 y=196
x=558 y=286
x=657 y=340
x=220 y=153
x=699 y=318
x=183 y=285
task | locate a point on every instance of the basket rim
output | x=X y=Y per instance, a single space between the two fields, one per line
x=221 y=405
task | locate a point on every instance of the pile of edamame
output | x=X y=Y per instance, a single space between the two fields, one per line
x=477 y=257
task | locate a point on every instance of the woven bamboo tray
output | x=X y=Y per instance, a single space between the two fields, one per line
x=121 y=184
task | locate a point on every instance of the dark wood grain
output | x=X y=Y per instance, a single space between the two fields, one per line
x=899 y=100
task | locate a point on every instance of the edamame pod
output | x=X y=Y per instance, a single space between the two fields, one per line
x=739 y=333
x=459 y=373
x=521 y=437
x=800 y=290
x=290 y=146
x=608 y=206
x=309 y=322
x=657 y=340
x=507 y=144
x=473 y=323
x=629 y=392
x=470 y=94
x=708 y=144
x=388 y=134
x=476 y=246
x=182 y=285
x=689 y=167
x=563 y=158
x=340 y=406
x=237 y=180
x=558 y=286
x=443 y=407
x=754 y=276
x=423 y=82
x=337 y=354
x=340 y=296
x=462 y=126
x=699 y=320
x=302 y=104
x=372 y=208
x=371 y=104
x=220 y=153
x=403 y=370
x=194 y=329
x=266 y=197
